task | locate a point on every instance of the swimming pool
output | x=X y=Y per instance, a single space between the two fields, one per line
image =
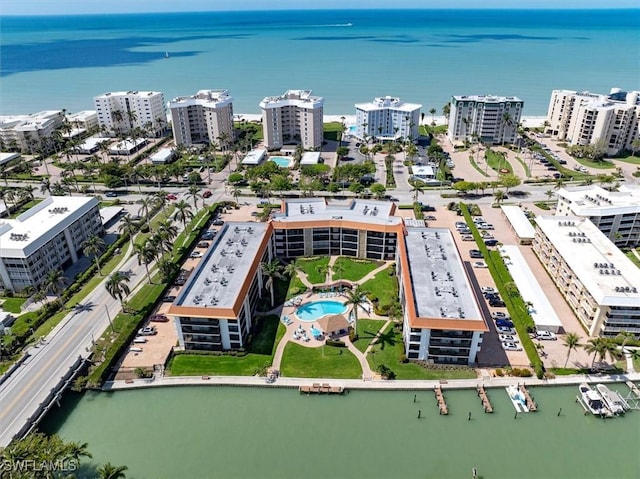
x=281 y=161
x=317 y=309
x=353 y=129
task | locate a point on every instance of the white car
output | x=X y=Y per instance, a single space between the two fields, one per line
x=479 y=219
x=488 y=290
x=467 y=237
x=500 y=315
x=196 y=254
x=546 y=336
x=479 y=264
x=508 y=338
x=505 y=330
x=139 y=340
x=511 y=347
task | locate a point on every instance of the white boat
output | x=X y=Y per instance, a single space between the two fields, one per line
x=592 y=401
x=517 y=398
x=612 y=399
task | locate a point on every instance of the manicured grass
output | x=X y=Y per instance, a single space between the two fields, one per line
x=162 y=215
x=634 y=160
x=353 y=270
x=390 y=349
x=600 y=165
x=383 y=286
x=265 y=341
x=310 y=268
x=633 y=258
x=326 y=362
x=199 y=365
x=295 y=287
x=332 y=130
x=12 y=305
x=475 y=165
x=527 y=172
x=367 y=330
x=497 y=162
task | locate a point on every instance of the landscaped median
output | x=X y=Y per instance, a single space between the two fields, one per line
x=510 y=295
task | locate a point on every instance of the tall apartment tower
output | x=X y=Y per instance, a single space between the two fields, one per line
x=295 y=117
x=205 y=117
x=583 y=118
x=487 y=118
x=387 y=119
x=121 y=111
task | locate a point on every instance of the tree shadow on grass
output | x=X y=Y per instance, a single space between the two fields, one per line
x=386 y=339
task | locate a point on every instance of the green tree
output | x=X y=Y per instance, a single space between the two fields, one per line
x=378 y=190
x=194 y=193
x=572 y=342
x=499 y=196
x=626 y=336
x=146 y=254
x=356 y=188
x=146 y=205
x=272 y=270
x=55 y=282
x=94 y=246
x=355 y=297
x=509 y=180
x=418 y=187
x=109 y=471
x=183 y=212
x=117 y=286
x=129 y=226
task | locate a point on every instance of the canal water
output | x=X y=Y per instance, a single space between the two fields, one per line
x=239 y=432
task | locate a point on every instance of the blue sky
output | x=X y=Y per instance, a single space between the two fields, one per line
x=58 y=7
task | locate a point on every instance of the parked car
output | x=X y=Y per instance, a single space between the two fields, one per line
x=478 y=220
x=461 y=224
x=430 y=218
x=475 y=253
x=202 y=244
x=206 y=194
x=508 y=338
x=488 y=290
x=159 y=318
x=467 y=237
x=464 y=231
x=504 y=323
x=479 y=264
x=496 y=303
x=491 y=242
x=196 y=254
x=500 y=315
x=139 y=340
x=546 y=336
x=217 y=222
x=505 y=330
x=111 y=194
x=171 y=196
x=511 y=347
x=208 y=235
x=148 y=331
x=168 y=299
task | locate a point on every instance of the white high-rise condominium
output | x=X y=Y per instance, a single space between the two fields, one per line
x=30 y=133
x=486 y=118
x=205 y=117
x=121 y=111
x=583 y=118
x=387 y=119
x=295 y=117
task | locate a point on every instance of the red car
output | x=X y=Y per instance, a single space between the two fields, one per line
x=159 y=318
x=171 y=196
x=206 y=194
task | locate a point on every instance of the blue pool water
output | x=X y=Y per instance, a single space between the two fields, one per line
x=315 y=332
x=281 y=161
x=353 y=129
x=317 y=309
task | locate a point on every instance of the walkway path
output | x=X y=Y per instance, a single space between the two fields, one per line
x=367 y=373
x=370 y=275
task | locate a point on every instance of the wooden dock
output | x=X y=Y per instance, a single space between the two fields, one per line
x=482 y=394
x=317 y=388
x=634 y=388
x=442 y=405
x=533 y=407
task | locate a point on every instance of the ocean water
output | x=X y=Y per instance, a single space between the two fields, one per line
x=422 y=56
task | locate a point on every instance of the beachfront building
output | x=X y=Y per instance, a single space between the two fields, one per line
x=293 y=118
x=214 y=310
x=387 y=119
x=486 y=118
x=596 y=279
x=120 y=112
x=361 y=229
x=442 y=320
x=29 y=133
x=86 y=120
x=45 y=238
x=583 y=118
x=203 y=118
x=615 y=213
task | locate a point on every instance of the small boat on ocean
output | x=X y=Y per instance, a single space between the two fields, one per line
x=612 y=399
x=517 y=398
x=166 y=54
x=592 y=401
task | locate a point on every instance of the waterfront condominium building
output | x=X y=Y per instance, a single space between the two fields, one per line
x=215 y=308
x=205 y=117
x=442 y=320
x=29 y=133
x=119 y=112
x=295 y=117
x=45 y=238
x=583 y=118
x=597 y=280
x=86 y=120
x=615 y=213
x=486 y=118
x=387 y=119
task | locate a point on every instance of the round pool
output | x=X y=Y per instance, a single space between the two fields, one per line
x=317 y=309
x=281 y=161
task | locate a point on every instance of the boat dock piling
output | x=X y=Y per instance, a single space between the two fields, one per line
x=632 y=399
x=482 y=394
x=634 y=389
x=316 y=388
x=442 y=405
x=533 y=407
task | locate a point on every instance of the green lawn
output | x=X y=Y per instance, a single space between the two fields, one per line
x=332 y=130
x=296 y=287
x=12 y=305
x=527 y=172
x=390 y=349
x=367 y=329
x=634 y=160
x=633 y=258
x=310 y=267
x=475 y=165
x=353 y=270
x=326 y=362
x=383 y=286
x=601 y=165
x=497 y=162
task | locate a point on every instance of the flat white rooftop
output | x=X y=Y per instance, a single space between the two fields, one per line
x=207 y=98
x=388 y=103
x=254 y=157
x=127 y=145
x=596 y=201
x=163 y=155
x=91 y=144
x=519 y=221
x=424 y=170
x=310 y=158
x=7 y=157
x=487 y=98
x=22 y=236
x=218 y=278
x=299 y=98
x=542 y=313
x=441 y=288
x=313 y=209
x=609 y=276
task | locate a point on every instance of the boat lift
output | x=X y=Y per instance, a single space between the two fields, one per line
x=633 y=397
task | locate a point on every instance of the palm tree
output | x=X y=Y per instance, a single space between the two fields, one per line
x=418 y=187
x=194 y=192
x=146 y=254
x=183 y=212
x=166 y=233
x=77 y=450
x=160 y=198
x=322 y=270
x=338 y=269
x=146 y=205
x=290 y=269
x=626 y=336
x=236 y=192
x=433 y=118
x=499 y=196
x=507 y=121
x=109 y=471
x=117 y=286
x=602 y=347
x=94 y=246
x=272 y=270
x=355 y=297
x=55 y=282
x=572 y=342
x=129 y=226
x=549 y=194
